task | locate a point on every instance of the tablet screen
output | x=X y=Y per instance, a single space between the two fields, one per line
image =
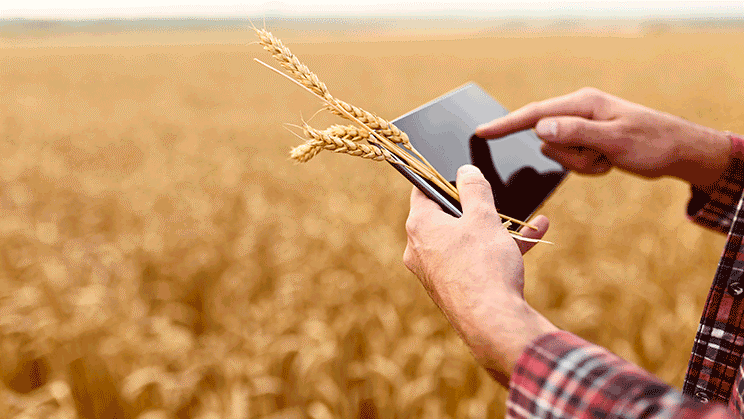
x=443 y=130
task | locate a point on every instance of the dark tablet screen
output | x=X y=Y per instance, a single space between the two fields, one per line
x=443 y=131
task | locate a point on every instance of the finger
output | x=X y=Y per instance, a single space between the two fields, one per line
x=584 y=161
x=579 y=160
x=420 y=203
x=475 y=192
x=577 y=131
x=578 y=103
x=542 y=223
x=422 y=214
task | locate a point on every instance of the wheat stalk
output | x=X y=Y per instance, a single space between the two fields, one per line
x=382 y=135
x=302 y=75
x=422 y=168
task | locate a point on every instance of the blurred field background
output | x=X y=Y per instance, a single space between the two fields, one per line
x=160 y=256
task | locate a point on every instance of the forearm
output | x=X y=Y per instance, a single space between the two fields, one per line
x=562 y=376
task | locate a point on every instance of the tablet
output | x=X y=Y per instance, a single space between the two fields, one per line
x=443 y=131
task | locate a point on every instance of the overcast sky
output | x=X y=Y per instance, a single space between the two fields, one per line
x=74 y=9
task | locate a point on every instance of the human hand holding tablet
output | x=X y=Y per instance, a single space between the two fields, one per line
x=443 y=131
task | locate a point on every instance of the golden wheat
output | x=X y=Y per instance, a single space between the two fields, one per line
x=325 y=141
x=291 y=63
x=302 y=73
x=382 y=134
x=291 y=307
x=304 y=152
x=350 y=132
x=308 y=80
x=378 y=124
x=312 y=147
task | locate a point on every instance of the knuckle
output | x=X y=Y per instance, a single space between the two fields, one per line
x=593 y=96
x=600 y=102
x=412 y=225
x=565 y=129
x=589 y=92
x=475 y=182
x=616 y=133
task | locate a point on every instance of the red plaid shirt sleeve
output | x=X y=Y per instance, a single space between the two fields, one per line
x=562 y=376
x=716 y=209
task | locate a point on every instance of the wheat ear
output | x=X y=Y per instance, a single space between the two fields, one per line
x=323 y=140
x=292 y=64
x=302 y=74
x=312 y=147
x=307 y=79
x=420 y=167
x=304 y=152
x=382 y=126
x=350 y=132
x=427 y=172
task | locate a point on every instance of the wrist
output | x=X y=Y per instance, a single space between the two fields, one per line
x=497 y=348
x=703 y=157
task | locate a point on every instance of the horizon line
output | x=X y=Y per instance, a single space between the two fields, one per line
x=361 y=16
x=544 y=9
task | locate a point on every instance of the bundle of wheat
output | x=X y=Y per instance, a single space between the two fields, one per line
x=375 y=139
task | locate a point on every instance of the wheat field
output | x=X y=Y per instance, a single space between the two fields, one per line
x=161 y=256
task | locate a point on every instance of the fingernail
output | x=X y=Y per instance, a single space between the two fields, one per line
x=546 y=128
x=468 y=169
x=480 y=128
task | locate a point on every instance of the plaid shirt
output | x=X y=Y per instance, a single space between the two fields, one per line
x=560 y=375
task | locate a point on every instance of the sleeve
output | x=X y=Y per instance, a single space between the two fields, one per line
x=715 y=209
x=561 y=376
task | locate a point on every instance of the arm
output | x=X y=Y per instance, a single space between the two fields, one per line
x=473 y=271
x=562 y=376
x=590 y=131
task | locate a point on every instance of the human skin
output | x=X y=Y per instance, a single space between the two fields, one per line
x=473 y=269
x=590 y=131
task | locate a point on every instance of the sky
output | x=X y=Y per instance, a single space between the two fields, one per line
x=86 y=9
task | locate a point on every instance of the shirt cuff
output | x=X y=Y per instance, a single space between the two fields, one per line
x=560 y=375
x=715 y=209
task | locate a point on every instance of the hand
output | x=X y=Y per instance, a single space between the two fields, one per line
x=590 y=131
x=473 y=270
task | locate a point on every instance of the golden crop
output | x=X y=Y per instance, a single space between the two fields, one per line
x=160 y=256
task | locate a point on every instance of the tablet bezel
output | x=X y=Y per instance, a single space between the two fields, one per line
x=476 y=114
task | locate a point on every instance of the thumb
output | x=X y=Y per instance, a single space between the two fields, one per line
x=475 y=191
